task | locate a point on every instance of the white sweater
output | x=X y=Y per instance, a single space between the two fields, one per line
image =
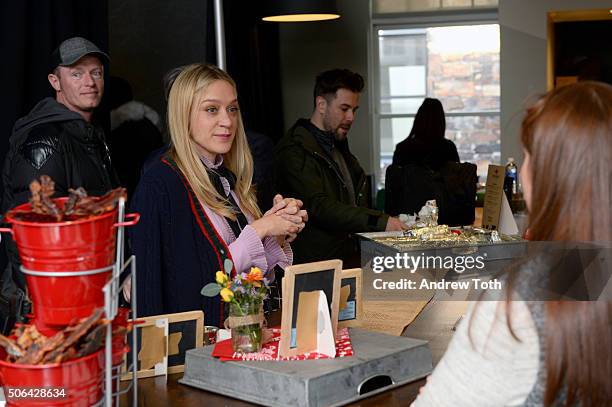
x=491 y=369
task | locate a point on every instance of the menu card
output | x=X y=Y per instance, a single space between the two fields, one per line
x=494 y=194
x=497 y=214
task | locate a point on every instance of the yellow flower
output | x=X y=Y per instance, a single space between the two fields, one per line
x=227 y=294
x=221 y=278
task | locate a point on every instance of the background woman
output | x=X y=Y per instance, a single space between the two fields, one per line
x=426 y=166
x=537 y=353
x=197 y=204
x=426 y=143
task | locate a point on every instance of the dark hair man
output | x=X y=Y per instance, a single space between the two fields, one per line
x=314 y=164
x=57 y=138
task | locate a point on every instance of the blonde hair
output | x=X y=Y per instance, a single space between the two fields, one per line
x=181 y=102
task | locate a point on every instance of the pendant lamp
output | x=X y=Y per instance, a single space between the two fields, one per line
x=286 y=11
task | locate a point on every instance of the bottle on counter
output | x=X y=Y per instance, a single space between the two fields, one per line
x=511 y=179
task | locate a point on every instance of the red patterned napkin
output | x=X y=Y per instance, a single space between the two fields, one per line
x=223 y=350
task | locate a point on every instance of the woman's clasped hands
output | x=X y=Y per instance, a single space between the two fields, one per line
x=284 y=220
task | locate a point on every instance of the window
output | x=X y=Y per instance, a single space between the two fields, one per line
x=408 y=6
x=458 y=65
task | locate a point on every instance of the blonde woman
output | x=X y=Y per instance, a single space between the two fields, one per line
x=197 y=204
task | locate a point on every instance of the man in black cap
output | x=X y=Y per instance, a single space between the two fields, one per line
x=57 y=138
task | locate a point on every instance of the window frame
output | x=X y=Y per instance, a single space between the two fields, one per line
x=417 y=20
x=441 y=8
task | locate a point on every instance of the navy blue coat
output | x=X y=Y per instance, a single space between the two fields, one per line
x=175 y=257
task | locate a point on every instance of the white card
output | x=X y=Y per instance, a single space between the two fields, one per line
x=326 y=345
x=161 y=368
x=507 y=223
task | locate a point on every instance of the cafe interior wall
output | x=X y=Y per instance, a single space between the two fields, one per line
x=523 y=26
x=308 y=48
x=148 y=38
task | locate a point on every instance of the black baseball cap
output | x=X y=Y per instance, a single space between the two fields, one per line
x=73 y=49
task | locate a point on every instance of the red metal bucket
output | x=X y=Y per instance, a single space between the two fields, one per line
x=84 y=244
x=70 y=246
x=80 y=381
x=59 y=301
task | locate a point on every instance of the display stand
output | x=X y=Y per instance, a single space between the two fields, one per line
x=112 y=290
x=112 y=375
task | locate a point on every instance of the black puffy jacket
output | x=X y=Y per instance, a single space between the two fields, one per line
x=55 y=141
x=51 y=140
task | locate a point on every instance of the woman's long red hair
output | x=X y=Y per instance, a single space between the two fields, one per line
x=568 y=134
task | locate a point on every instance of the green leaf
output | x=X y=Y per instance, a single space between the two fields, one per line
x=210 y=290
x=228 y=265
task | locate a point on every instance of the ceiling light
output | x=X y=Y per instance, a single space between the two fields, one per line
x=285 y=11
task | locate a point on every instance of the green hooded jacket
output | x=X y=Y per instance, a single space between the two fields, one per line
x=305 y=171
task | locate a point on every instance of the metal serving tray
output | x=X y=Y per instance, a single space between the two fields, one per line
x=380 y=362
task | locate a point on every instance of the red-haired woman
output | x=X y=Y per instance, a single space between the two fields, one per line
x=551 y=353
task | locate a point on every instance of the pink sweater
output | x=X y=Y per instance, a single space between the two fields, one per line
x=248 y=250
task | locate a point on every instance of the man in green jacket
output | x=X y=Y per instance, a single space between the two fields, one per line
x=314 y=164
